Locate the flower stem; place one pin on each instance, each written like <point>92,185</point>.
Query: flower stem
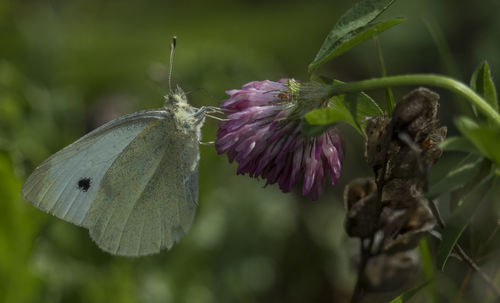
<point>420,79</point>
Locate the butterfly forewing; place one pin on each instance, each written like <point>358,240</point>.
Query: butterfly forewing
<point>65,184</point>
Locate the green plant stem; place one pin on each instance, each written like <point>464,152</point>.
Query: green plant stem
<point>419,79</point>
<point>389,96</point>
<point>365,251</point>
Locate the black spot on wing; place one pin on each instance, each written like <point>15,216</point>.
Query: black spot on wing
<point>84,184</point>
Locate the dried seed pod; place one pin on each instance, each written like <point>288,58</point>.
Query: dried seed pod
<point>401,192</point>
<point>377,140</point>
<point>357,190</point>
<point>390,272</point>
<point>360,200</point>
<point>431,152</point>
<point>403,163</point>
<point>392,222</point>
<point>416,113</point>
<point>402,148</point>
<point>418,221</point>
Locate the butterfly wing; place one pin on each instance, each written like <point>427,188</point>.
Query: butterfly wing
<point>65,184</point>
<point>147,199</point>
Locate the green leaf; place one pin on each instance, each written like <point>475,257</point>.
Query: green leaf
<point>448,162</point>
<point>460,218</point>
<point>360,105</point>
<point>460,144</point>
<point>350,40</point>
<point>446,55</point>
<point>482,84</point>
<point>319,120</point>
<point>425,255</point>
<point>351,108</point>
<point>456,177</point>
<point>313,130</point>
<point>354,22</point>
<point>485,138</point>
<point>407,295</point>
<point>427,265</point>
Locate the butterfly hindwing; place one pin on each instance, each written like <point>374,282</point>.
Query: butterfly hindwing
<point>147,199</point>
<point>65,184</point>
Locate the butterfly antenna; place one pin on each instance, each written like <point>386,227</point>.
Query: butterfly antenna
<point>172,51</point>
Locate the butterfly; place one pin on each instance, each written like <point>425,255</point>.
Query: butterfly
<point>133,182</point>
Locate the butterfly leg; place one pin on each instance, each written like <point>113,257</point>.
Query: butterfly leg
<point>209,109</point>
<point>206,143</point>
<point>206,111</point>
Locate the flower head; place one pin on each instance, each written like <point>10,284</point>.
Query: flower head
<point>264,136</point>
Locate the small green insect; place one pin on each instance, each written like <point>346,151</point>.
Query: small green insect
<point>132,182</point>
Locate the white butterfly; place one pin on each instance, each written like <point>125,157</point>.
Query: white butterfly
<point>132,182</point>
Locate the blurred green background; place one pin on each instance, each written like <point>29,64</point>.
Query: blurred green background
<point>68,66</point>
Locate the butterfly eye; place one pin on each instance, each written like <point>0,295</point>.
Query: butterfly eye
<point>84,184</point>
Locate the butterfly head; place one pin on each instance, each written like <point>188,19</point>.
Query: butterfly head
<point>175,97</point>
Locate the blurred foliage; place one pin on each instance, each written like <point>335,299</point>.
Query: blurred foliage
<point>68,66</point>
